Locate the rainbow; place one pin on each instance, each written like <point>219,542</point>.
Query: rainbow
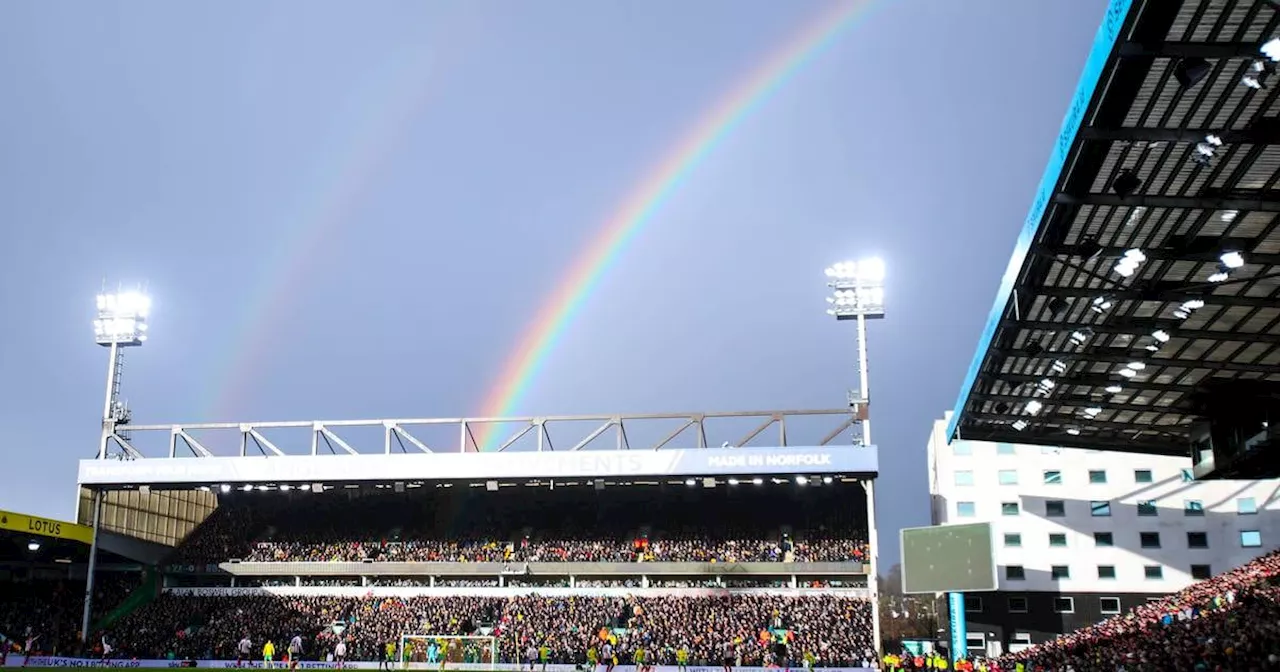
<point>527,360</point>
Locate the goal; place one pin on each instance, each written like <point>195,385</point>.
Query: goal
<point>448,649</point>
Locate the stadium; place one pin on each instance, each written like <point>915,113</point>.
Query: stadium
<point>1138,316</point>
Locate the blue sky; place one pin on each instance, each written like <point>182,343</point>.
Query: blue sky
<point>353,211</point>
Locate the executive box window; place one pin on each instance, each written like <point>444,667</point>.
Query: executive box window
<point>1142,476</point>
<point>1149,539</point>
<point>1147,508</point>
<point>1109,605</point>
<point>1097,476</point>
<point>1100,509</point>
<point>1103,539</point>
<point>1059,572</point>
<point>1197,540</point>
<point>1064,605</point>
<point>1153,572</point>
<point>1193,507</point>
<point>1052,477</point>
<point>965,509</point>
<point>1188,476</point>
<point>1008,508</point>
<point>1015,573</point>
<point>1017,605</point>
<point>1246,506</point>
<point>1005,449</point>
<point>1008,476</point>
<point>1057,539</point>
<point>1201,571</point>
<point>962,448</point>
<point>972,604</point>
<point>964,478</point>
<point>1250,538</point>
<point>1012,540</point>
<point>1106,571</point>
<point>1055,508</point>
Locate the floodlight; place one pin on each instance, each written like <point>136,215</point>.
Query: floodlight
<point>1033,407</point>
<point>1019,425</point>
<point>122,318</point>
<point>801,480</point>
<point>1271,49</point>
<point>1114,389</point>
<point>225,488</point>
<point>858,289</point>
<point>757,481</point>
<point>826,479</point>
<point>33,546</point>
<point>1232,259</point>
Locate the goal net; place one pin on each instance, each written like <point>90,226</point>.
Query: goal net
<point>436,649</point>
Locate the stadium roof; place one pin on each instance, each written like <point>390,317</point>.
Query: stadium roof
<point>1169,149</point>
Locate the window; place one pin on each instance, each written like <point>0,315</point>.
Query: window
<point>1022,638</point>
<point>1064,605</point>
<point>1009,508</point>
<point>1250,538</point>
<point>1147,508</point>
<point>1014,573</point>
<point>1109,605</point>
<point>1008,476</point>
<point>1059,572</point>
<point>1103,539</point>
<point>1017,605</point>
<point>1097,476</point>
<point>1149,539</point>
<point>1246,506</point>
<point>1142,476</point>
<point>1053,477</point>
<point>1197,540</point>
<point>1005,449</point>
<point>965,509</point>
<point>1106,571</point>
<point>1193,507</point>
<point>972,604</point>
<point>1055,508</point>
<point>1153,572</point>
<point>1100,509</point>
<point>964,478</point>
<point>962,448</point>
<point>1012,540</point>
<point>1188,476</point>
<point>1057,539</point>
<point>1201,571</point>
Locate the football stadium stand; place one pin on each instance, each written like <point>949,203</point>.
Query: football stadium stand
<point>1139,311</point>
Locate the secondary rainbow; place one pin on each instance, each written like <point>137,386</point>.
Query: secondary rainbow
<point>526,361</point>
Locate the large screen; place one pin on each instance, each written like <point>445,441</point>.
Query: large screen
<point>948,558</point>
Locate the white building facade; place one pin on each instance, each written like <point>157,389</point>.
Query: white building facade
<point>1080,535</point>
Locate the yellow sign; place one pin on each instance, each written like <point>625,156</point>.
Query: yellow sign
<point>44,527</point>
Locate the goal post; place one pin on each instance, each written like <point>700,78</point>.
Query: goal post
<point>430,649</point>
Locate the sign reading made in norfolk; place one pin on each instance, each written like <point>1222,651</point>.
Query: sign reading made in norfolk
<point>948,558</point>
<point>44,527</point>
<point>189,471</point>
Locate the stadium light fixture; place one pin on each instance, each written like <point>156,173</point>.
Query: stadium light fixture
<point>858,294</point>
<point>757,481</point>
<point>33,546</point>
<point>122,319</point>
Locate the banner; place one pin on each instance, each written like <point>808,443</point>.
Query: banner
<point>52,661</point>
<point>195,471</point>
<point>959,627</point>
<point>44,527</point>
<point>495,591</point>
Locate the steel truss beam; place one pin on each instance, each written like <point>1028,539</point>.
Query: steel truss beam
<point>1206,50</point>
<point>320,436</point>
<point>1136,327</point>
<point>1065,420</point>
<point>1177,296</point>
<point>1124,357</point>
<point>1268,134</point>
<point>1256,204</point>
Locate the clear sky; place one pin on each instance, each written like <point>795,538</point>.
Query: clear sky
<point>353,210</point>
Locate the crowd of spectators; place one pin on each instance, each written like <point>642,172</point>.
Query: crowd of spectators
<point>823,524</point>
<point>49,612</point>
<point>1229,622</point>
<point>834,628</point>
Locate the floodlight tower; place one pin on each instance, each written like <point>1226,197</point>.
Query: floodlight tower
<point>858,294</point>
<point>121,323</point>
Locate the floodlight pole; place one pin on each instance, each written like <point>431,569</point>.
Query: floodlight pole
<point>859,295</point>
<point>115,361</point>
